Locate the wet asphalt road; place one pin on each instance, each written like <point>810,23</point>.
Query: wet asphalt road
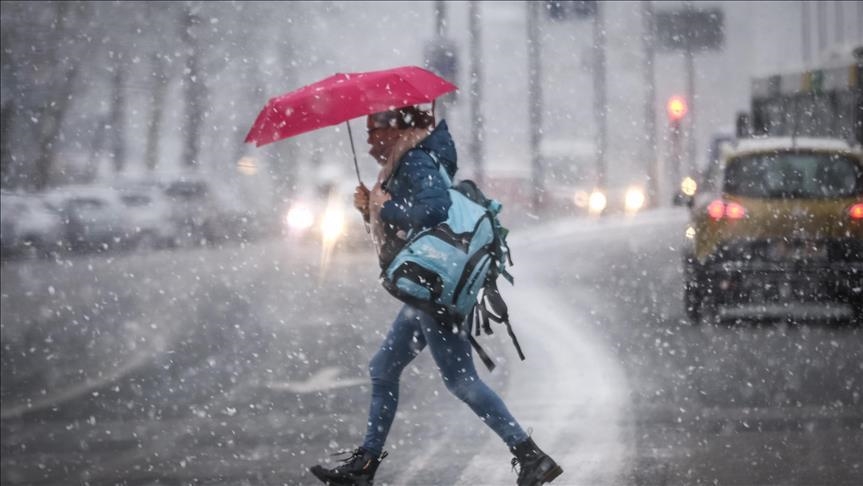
<point>247,364</point>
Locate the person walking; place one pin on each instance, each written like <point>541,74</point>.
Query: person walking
<point>409,195</point>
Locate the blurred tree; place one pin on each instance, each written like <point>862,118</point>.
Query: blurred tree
<point>567,9</point>
<point>46,47</point>
<point>285,171</point>
<point>160,74</point>
<point>58,88</point>
<point>7,110</point>
<point>52,86</point>
<point>194,91</point>
<point>117,120</point>
<point>84,82</point>
<point>159,66</point>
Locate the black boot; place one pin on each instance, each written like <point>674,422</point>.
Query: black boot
<point>357,470</point>
<point>536,466</point>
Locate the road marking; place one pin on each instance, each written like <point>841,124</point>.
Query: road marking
<point>324,379</point>
<point>54,398</point>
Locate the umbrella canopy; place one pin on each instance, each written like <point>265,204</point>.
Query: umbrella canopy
<point>344,96</point>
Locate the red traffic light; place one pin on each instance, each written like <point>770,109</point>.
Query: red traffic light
<point>676,108</point>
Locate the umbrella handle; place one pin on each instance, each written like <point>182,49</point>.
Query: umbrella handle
<point>357,167</point>
<point>354,151</point>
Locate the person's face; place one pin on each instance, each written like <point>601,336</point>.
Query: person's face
<point>381,138</point>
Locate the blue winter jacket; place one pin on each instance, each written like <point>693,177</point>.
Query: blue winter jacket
<point>420,197</point>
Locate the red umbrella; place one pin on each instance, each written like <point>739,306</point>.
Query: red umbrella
<point>342,97</point>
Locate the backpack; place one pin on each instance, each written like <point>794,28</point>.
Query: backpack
<point>450,271</point>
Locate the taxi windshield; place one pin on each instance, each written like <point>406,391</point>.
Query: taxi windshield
<point>794,175</point>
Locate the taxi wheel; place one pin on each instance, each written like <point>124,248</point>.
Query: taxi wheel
<point>709,311</point>
<point>701,308</point>
<point>692,302</point>
<point>693,291</point>
<point>700,302</point>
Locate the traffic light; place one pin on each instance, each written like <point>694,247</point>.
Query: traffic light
<point>676,108</point>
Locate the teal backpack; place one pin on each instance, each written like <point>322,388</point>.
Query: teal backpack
<point>450,271</point>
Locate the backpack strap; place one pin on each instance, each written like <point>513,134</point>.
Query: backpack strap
<point>472,319</point>
<point>493,307</point>
<point>486,360</point>
<point>490,308</point>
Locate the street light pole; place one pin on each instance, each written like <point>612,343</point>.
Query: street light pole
<point>476,121</point>
<point>689,59</point>
<point>805,25</point>
<point>599,97</point>
<point>690,98</point>
<point>840,22</point>
<point>439,39</point>
<point>650,103</point>
<point>821,19</point>
<point>534,99</point>
<point>677,109</point>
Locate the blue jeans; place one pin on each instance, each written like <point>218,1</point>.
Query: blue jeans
<point>410,333</point>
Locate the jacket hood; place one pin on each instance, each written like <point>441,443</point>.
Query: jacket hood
<point>441,143</point>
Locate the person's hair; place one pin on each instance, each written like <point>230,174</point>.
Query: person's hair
<point>402,118</point>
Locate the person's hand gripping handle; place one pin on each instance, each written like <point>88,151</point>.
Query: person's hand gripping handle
<point>361,202</point>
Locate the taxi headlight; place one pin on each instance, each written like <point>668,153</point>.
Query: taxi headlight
<point>634,199</point>
<point>689,233</point>
<point>688,186</point>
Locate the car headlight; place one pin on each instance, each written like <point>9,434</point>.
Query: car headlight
<point>596,202</point>
<point>580,198</point>
<point>299,218</point>
<point>333,224</point>
<point>634,199</point>
<point>689,233</point>
<point>688,186</point>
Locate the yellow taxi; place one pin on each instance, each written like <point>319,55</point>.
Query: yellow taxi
<point>776,231</point>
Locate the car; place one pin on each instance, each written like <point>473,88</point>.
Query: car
<point>29,225</point>
<point>192,213</point>
<point>148,217</point>
<point>204,209</point>
<point>627,199</point>
<point>102,218</point>
<point>94,217</point>
<point>572,185</point>
<point>326,216</point>
<point>776,232</point>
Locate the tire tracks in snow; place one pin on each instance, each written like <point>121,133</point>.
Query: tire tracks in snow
<point>570,391</point>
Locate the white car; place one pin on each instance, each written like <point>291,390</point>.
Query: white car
<point>98,218</point>
<point>621,199</point>
<point>205,210</point>
<point>94,217</point>
<point>149,217</point>
<point>28,226</point>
